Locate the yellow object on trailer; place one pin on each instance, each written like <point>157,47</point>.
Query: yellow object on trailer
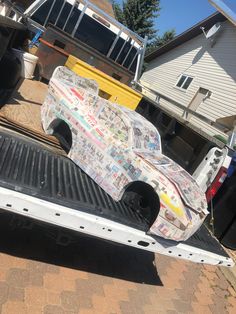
<point>109,88</point>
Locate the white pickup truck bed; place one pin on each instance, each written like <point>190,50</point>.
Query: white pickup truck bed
<point>37,182</point>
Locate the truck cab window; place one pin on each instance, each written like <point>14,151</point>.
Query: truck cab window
<point>95,34</point>
<point>130,57</point>
<point>72,20</point>
<point>55,11</point>
<point>64,14</point>
<point>117,48</point>
<point>40,15</point>
<point>129,60</point>
<point>134,65</point>
<point>124,52</point>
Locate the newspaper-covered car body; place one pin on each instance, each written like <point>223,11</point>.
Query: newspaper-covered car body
<point>116,147</point>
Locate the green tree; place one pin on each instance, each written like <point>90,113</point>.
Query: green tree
<point>165,38</point>
<point>119,15</point>
<point>161,40</point>
<point>138,16</point>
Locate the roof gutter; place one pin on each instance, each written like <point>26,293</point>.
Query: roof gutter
<point>187,35</point>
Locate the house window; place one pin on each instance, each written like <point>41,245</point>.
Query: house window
<point>184,81</point>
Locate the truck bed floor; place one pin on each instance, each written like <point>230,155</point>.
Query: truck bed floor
<point>203,240</point>
<point>30,168</point>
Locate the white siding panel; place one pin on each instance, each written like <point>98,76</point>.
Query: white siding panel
<point>213,68</point>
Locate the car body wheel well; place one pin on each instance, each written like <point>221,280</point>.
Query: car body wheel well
<point>148,200</point>
<point>61,130</point>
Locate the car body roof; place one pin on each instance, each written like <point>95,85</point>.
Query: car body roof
<point>135,120</point>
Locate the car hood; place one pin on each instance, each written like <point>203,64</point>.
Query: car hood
<point>190,192</point>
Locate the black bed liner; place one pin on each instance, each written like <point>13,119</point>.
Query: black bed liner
<point>203,240</point>
<point>35,170</point>
<point>31,168</point>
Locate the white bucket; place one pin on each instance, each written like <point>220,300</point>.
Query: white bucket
<point>28,63</point>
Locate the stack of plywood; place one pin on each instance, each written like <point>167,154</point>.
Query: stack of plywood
<point>23,113</point>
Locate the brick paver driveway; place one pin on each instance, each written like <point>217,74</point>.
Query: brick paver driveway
<point>93,276</point>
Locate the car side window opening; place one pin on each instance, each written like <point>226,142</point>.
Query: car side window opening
<point>146,139</point>
<point>110,119</point>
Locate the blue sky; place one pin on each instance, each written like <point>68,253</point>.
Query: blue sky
<point>182,14</point>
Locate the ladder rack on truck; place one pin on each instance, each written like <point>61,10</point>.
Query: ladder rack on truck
<point>43,185</point>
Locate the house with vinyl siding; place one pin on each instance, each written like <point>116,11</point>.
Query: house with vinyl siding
<point>194,75</point>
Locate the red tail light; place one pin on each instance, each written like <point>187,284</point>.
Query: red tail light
<point>216,184</point>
